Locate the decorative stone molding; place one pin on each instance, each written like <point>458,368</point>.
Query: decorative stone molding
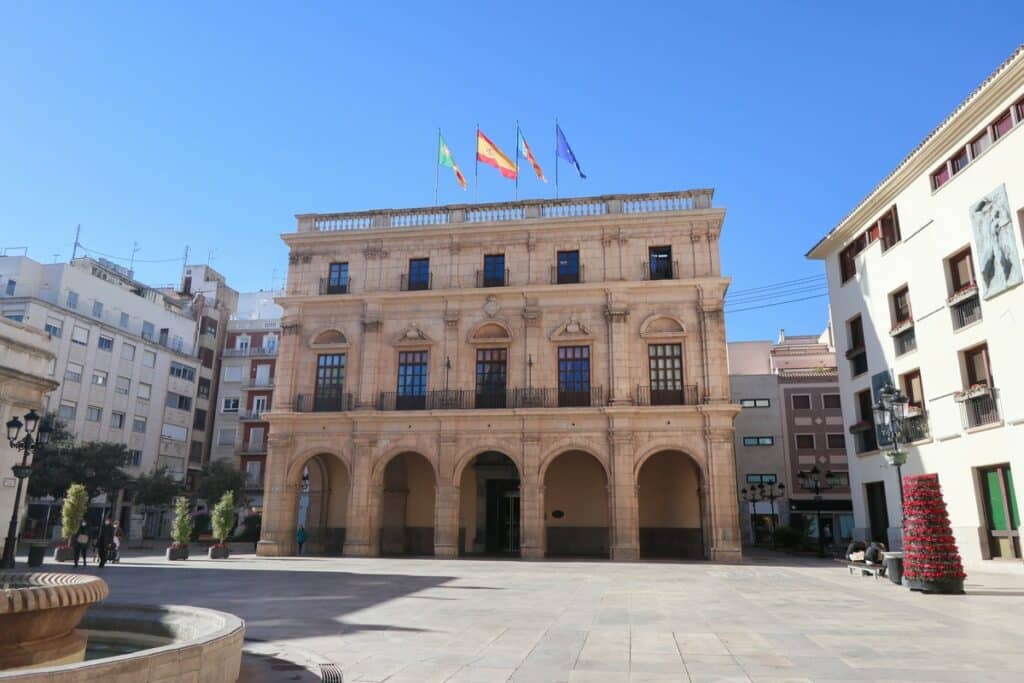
<point>572,329</point>
<point>490,332</point>
<point>375,250</point>
<point>531,313</point>
<point>330,339</point>
<point>662,326</point>
<point>372,325</point>
<point>412,335</point>
<point>491,306</point>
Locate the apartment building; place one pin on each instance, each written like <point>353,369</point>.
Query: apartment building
<point>247,379</point>
<point>536,378</point>
<point>124,355</point>
<point>924,282</point>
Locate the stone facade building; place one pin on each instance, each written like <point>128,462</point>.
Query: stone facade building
<point>533,378</point>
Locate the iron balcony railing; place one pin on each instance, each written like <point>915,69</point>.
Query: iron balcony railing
<point>915,428</point>
<point>486,279</point>
<point>491,399</point>
<point>980,410</point>
<point>323,402</point>
<point>684,395</point>
<point>251,415</point>
<point>327,287</point>
<point>257,382</point>
<point>570,277</point>
<point>416,284</point>
<point>250,352</point>
<point>905,342</point>
<point>966,312</point>
<point>660,269</point>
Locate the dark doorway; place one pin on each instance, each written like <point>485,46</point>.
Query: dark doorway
<point>878,511</point>
<point>502,516</point>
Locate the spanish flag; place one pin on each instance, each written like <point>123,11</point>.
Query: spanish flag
<point>488,152</point>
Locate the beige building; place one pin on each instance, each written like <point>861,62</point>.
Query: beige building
<point>537,378</point>
<point>25,360</point>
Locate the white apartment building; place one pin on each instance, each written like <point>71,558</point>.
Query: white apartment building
<point>247,373</point>
<point>124,355</point>
<point>924,282</point>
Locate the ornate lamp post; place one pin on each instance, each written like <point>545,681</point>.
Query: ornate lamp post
<point>27,445</point>
<point>811,480</point>
<point>890,412</point>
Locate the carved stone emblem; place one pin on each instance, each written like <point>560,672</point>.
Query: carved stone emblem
<point>492,306</point>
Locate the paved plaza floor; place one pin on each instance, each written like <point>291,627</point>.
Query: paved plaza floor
<point>774,618</point>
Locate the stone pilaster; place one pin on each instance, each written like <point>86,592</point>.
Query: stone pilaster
<point>617,313</point>
<point>280,500</point>
<point>446,502</point>
<point>370,349</point>
<point>358,536</point>
<point>715,352</point>
<point>625,508</point>
<point>726,536</point>
<point>531,501</point>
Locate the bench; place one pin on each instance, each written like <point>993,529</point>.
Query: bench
<point>865,569</point>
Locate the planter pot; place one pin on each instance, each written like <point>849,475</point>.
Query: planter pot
<point>218,552</point>
<point>946,586</point>
<point>64,555</point>
<point>896,458</point>
<point>177,553</point>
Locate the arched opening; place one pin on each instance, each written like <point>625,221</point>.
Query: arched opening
<point>670,507</point>
<point>407,506</point>
<point>489,511</point>
<point>323,504</point>
<point>576,506</point>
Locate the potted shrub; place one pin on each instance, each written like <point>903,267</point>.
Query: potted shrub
<point>181,530</point>
<point>896,458</point>
<point>76,501</point>
<point>931,561</point>
<point>223,520</point>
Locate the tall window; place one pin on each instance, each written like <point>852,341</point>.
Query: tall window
<point>866,439</point>
<point>660,263</point>
<point>911,382</point>
<point>856,353</point>
<point>665,371</point>
<point>491,377</point>
<point>494,270</point>
<point>961,270</point>
<point>419,274</point>
<point>72,299</point>
<point>574,375</point>
<point>330,381</point>
<point>977,366</point>
<point>568,267</point>
<point>901,306</point>
<point>337,279</point>
<point>412,380</point>
<point>97,309</point>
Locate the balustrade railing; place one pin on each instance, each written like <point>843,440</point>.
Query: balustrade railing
<point>470,399</point>
<point>491,279</point>
<point>416,284</point>
<point>686,395</point>
<point>328,287</point>
<point>326,402</point>
<point>661,270</point>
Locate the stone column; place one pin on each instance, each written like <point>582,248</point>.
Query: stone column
<point>280,500</point>
<point>617,313</point>
<point>715,351</point>
<point>726,537</point>
<point>446,501</point>
<point>531,501</point>
<point>625,517</point>
<point>358,538</point>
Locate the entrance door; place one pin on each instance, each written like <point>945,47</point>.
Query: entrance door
<point>502,516</point>
<point>878,511</point>
<point>1002,520</point>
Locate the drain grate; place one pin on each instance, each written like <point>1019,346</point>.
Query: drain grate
<point>330,673</point>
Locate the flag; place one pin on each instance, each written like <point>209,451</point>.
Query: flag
<point>563,150</point>
<point>488,152</point>
<point>445,158</point>
<point>525,152</point>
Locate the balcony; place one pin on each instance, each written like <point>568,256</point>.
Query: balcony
<point>979,406</point>
<point>252,415</point>
<point>467,215</point>
<point>568,277</point>
<point>905,341</point>
<point>251,352</point>
<point>470,399</point>
<point>258,383</point>
<point>491,279</point>
<point>253,447</point>
<point>330,402</point>
<point>965,310</point>
<point>686,395</point>
<point>864,438</point>
<point>915,427</point>
<point>660,270</point>
<point>328,287</point>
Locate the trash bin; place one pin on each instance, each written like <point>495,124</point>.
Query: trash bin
<point>36,553</point>
<point>894,567</point>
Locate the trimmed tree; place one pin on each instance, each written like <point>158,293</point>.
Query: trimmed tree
<point>931,560</point>
<point>223,519</point>
<point>76,501</point>
<point>181,530</point>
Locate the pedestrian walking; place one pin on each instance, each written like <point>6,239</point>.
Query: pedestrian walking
<point>115,556</point>
<point>300,537</point>
<point>81,543</point>
<point>104,541</point>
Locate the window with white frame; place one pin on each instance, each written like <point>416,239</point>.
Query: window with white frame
<point>128,351</point>
<point>145,391</point>
<point>73,372</point>
<point>93,414</point>
<point>67,410</point>
<point>116,420</point>
<point>148,359</point>
<point>80,336</point>
<point>54,326</point>
<point>226,437</point>
<point>174,432</point>
<point>139,424</point>
<point>99,378</point>
<point>123,385</point>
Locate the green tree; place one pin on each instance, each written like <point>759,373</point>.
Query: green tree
<point>218,478</point>
<point>224,517</point>
<point>154,490</point>
<point>62,462</point>
<point>181,529</point>
<point>75,504</point>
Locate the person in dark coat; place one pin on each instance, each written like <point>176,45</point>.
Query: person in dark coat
<point>104,541</point>
<point>81,543</point>
<point>300,538</point>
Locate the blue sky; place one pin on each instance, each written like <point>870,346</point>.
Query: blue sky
<point>213,126</point>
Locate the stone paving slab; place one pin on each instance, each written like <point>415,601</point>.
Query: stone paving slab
<point>774,618</point>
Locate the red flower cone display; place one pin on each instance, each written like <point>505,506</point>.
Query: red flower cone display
<point>931,560</point>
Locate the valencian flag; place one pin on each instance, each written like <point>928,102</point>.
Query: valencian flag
<point>445,158</point>
<point>488,152</point>
<point>525,152</point>
<point>562,149</point>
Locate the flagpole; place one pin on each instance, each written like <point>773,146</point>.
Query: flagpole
<point>556,157</point>
<point>476,167</point>
<point>437,164</point>
<point>517,159</point>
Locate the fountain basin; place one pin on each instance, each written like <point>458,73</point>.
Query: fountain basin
<point>39,613</point>
<point>175,643</point>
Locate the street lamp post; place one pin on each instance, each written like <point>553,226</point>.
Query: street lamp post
<point>811,480</point>
<point>890,411</point>
<point>27,445</point>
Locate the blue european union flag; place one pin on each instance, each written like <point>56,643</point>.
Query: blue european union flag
<point>563,150</point>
